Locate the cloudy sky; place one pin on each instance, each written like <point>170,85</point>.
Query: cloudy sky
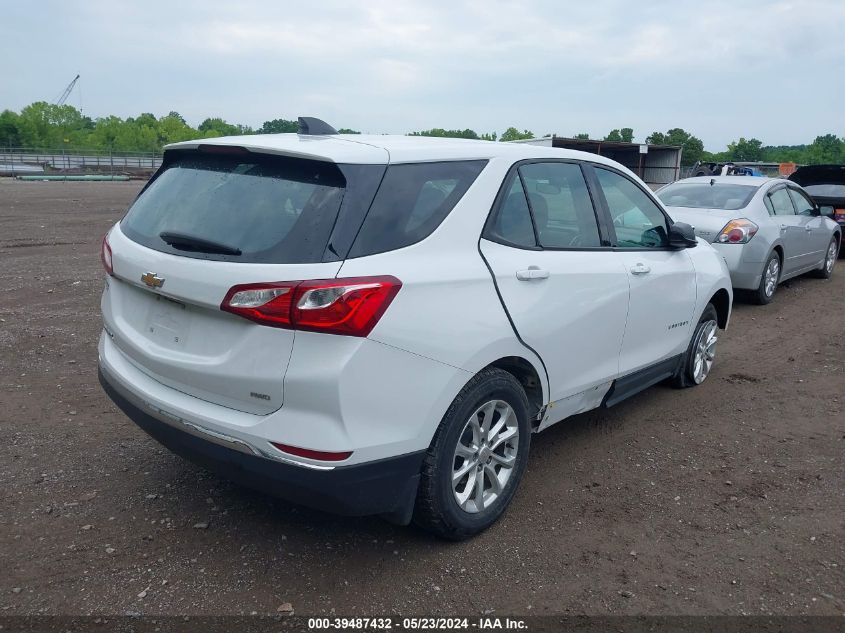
<point>720,69</point>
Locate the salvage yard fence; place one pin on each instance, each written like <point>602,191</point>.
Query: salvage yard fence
<point>25,161</point>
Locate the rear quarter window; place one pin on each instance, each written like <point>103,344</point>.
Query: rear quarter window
<point>411,202</point>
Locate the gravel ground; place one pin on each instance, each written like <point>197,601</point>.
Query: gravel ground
<point>723,499</point>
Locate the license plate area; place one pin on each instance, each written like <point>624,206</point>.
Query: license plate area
<point>168,322</point>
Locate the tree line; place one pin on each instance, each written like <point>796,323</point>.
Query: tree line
<point>44,125</point>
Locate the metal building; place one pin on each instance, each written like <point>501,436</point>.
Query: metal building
<point>657,165</point>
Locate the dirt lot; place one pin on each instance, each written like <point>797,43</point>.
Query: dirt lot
<point>728,498</point>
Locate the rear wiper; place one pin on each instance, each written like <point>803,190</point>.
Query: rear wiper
<point>186,242</point>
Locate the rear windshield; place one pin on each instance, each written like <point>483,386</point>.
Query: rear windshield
<point>257,208</point>
<point>250,208</point>
<point>826,191</point>
<point>697,195</point>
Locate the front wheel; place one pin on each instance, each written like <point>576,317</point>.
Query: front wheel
<point>701,352</point>
<point>826,271</point>
<point>477,458</point>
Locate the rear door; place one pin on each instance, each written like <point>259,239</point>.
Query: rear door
<point>208,222</point>
<point>792,230</point>
<point>564,291</point>
<point>815,230</point>
<point>662,280</point>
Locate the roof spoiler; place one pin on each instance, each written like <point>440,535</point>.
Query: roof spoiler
<point>314,127</point>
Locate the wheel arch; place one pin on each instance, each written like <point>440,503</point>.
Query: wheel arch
<point>528,376</point>
<point>721,300</point>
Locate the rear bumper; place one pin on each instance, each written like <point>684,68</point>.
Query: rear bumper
<point>743,264</point>
<point>385,487</point>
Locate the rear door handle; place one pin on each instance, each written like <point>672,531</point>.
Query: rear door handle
<point>640,269</point>
<point>808,229</point>
<point>532,273</point>
<point>783,227</point>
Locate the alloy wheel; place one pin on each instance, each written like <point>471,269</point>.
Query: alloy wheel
<point>705,351</point>
<point>485,456</point>
<point>832,252</point>
<point>772,273</point>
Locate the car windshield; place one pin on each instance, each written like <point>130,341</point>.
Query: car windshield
<point>703,195</point>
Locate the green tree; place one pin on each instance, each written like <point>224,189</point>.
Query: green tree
<point>785,153</point>
<point>46,125</point>
<point>582,136</point>
<point>824,149</point>
<point>218,127</point>
<point>692,146</point>
<point>107,131</point>
<point>146,118</point>
<point>746,149</point>
<point>489,136</point>
<point>512,134</point>
<point>625,135</point>
<point>173,129</point>
<point>440,132</point>
<point>278,126</point>
<point>10,129</point>
<point>346,130</point>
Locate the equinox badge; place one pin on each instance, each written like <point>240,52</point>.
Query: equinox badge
<point>152,280</point>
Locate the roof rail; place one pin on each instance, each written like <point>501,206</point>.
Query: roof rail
<point>311,126</point>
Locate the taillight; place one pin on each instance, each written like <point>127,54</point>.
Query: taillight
<point>737,232</point>
<point>350,306</point>
<point>105,255</point>
<point>312,454</point>
<point>268,304</point>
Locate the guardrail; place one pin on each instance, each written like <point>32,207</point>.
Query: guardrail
<point>23,160</point>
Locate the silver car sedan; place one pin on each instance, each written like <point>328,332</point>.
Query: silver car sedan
<point>768,230</point>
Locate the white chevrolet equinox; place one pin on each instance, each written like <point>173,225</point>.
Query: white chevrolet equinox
<point>378,324</point>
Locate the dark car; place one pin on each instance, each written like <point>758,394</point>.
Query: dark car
<point>826,185</point>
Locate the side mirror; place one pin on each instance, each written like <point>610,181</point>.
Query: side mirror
<point>682,235</point>
<point>826,210</point>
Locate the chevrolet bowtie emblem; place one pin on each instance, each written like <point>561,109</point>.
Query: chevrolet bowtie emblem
<point>152,280</point>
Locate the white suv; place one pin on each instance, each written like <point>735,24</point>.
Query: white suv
<point>377,324</point>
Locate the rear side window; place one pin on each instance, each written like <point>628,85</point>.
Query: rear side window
<point>561,205</point>
<point>411,202</point>
<point>781,202</point>
<point>246,208</point>
<point>512,223</point>
<point>768,202</point>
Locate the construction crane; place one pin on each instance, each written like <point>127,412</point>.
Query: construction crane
<point>61,100</point>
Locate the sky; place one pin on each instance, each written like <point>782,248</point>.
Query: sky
<point>773,70</point>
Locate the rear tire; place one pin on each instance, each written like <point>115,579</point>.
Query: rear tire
<point>698,359</point>
<point>484,436</point>
<point>826,271</point>
<point>769,280</point>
